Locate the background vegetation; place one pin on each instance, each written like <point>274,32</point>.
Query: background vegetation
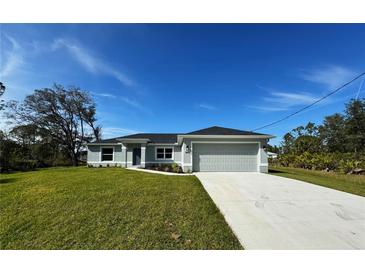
<point>49,128</point>
<point>336,144</point>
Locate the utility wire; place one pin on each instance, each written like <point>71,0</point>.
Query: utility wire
<point>312,104</point>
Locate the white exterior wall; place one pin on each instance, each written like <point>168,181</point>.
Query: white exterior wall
<point>94,155</point>
<point>123,153</point>
<point>151,154</point>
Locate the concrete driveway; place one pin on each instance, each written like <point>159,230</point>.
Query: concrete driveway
<point>271,212</point>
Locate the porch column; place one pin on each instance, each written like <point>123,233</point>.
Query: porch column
<point>124,156</point>
<point>143,155</point>
<point>263,163</point>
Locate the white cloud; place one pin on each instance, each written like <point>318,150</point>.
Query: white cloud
<point>277,101</point>
<point>90,62</point>
<point>109,132</point>
<point>124,99</point>
<point>107,95</point>
<point>131,102</point>
<point>268,108</point>
<point>207,106</point>
<point>359,89</point>
<point>13,58</point>
<point>331,76</point>
<point>289,99</point>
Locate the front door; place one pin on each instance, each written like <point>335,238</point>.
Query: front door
<point>136,156</point>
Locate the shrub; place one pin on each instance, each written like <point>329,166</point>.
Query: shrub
<point>325,161</point>
<point>348,165</point>
<point>344,162</point>
<point>175,168</point>
<point>303,161</point>
<point>166,167</point>
<point>285,160</point>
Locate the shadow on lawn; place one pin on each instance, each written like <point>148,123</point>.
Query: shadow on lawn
<point>275,171</point>
<point>7,181</point>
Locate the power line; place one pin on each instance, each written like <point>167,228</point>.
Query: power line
<point>312,104</point>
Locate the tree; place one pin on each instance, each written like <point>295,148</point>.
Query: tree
<point>10,151</point>
<point>274,148</point>
<point>302,139</point>
<point>287,143</point>
<point>355,125</point>
<point>298,131</point>
<point>339,143</point>
<point>307,139</point>
<point>64,116</point>
<point>332,133</point>
<point>25,134</point>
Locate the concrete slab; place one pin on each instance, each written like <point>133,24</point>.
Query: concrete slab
<point>271,212</point>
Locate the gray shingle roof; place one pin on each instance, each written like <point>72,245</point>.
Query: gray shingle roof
<point>154,137</point>
<point>109,141</point>
<point>170,138</point>
<point>222,131</point>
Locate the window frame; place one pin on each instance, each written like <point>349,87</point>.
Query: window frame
<point>164,153</point>
<point>101,154</point>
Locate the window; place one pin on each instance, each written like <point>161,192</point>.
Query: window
<point>164,153</point>
<point>107,154</point>
<point>160,153</point>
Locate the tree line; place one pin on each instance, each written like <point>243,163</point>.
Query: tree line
<point>49,127</point>
<point>336,144</point>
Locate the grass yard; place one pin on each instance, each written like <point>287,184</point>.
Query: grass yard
<point>354,184</point>
<point>108,208</point>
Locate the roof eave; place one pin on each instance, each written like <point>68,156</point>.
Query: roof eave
<point>261,136</point>
<point>134,140</point>
<point>264,136</point>
<point>121,141</point>
<point>104,144</point>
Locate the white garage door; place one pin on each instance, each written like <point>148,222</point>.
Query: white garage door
<point>225,157</point>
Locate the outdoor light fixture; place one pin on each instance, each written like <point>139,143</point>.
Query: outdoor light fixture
<point>187,149</point>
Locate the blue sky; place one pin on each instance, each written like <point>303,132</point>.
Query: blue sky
<point>183,77</point>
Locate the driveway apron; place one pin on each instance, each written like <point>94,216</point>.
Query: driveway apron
<point>271,212</point>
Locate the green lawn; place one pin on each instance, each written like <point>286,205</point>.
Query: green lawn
<point>108,208</point>
<point>354,184</point>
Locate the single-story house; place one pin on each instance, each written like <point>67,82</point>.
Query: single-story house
<point>210,149</point>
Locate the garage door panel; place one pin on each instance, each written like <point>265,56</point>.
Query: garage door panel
<point>225,157</point>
